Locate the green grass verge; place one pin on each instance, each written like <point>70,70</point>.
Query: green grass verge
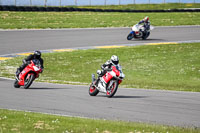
<point>146,6</point>
<point>43,20</point>
<point>26,122</point>
<point>167,67</point>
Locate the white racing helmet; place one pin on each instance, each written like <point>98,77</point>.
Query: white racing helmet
<point>114,59</point>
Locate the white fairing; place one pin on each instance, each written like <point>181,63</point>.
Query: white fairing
<point>102,86</point>
<point>122,75</point>
<point>36,68</point>
<point>113,74</point>
<point>151,27</point>
<point>137,27</point>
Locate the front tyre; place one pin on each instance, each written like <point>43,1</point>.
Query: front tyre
<point>93,90</point>
<point>28,80</point>
<point>16,85</point>
<point>112,89</point>
<point>130,36</point>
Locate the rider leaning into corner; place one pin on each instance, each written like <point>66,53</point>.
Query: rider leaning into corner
<point>146,24</point>
<point>26,61</point>
<point>114,60</point>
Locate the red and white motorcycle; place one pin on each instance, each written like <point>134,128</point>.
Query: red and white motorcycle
<point>113,78</point>
<point>29,74</point>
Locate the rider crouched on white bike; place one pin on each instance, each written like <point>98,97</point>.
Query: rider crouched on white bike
<point>114,60</point>
<point>26,61</point>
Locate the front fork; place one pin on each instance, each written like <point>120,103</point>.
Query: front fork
<point>110,84</point>
<point>94,80</point>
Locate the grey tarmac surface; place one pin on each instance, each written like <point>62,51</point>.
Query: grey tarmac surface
<point>138,105</point>
<point>29,40</point>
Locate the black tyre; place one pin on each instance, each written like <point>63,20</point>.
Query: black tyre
<point>112,89</point>
<point>144,37</point>
<point>28,80</point>
<point>130,36</point>
<point>93,90</point>
<point>16,85</point>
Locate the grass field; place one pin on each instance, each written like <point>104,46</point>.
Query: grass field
<point>26,122</point>
<point>167,67</point>
<point>146,6</point>
<point>43,20</point>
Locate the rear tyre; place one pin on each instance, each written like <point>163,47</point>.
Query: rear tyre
<point>16,85</point>
<point>130,36</point>
<point>146,36</point>
<point>28,80</point>
<point>113,89</point>
<point>93,90</point>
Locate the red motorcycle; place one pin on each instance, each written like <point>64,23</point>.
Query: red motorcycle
<point>113,78</point>
<point>29,74</point>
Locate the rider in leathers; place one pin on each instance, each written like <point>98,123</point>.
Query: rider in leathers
<point>146,25</point>
<point>26,61</point>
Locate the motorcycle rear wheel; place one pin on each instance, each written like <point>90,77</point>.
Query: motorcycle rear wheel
<point>28,82</point>
<point>146,36</point>
<point>93,90</point>
<point>113,89</point>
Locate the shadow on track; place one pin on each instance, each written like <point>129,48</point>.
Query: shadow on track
<point>44,88</point>
<point>129,96</point>
<point>151,39</point>
<point>121,96</point>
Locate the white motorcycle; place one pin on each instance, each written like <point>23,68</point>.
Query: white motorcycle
<point>139,32</point>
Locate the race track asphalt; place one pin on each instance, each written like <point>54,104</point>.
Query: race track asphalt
<point>129,104</point>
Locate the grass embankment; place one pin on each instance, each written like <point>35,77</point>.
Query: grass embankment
<point>26,122</point>
<point>146,6</point>
<point>168,67</point>
<point>43,20</point>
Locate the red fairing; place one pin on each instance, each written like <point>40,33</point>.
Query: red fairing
<point>114,69</point>
<point>23,74</point>
<point>26,70</point>
<point>108,76</point>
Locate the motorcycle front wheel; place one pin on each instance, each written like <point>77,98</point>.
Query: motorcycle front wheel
<point>112,89</point>
<point>130,36</point>
<point>16,85</point>
<point>93,90</point>
<point>28,80</point>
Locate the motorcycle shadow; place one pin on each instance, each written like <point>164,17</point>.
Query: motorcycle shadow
<point>44,88</point>
<point>150,39</point>
<point>122,96</point>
